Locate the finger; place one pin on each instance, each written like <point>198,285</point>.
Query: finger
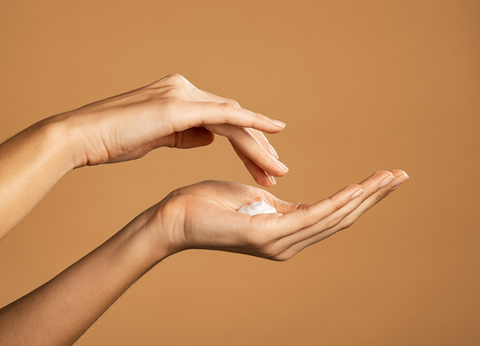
<point>243,140</point>
<point>370,186</point>
<point>246,147</point>
<point>214,113</point>
<point>217,98</point>
<point>367,200</point>
<point>252,167</point>
<point>309,215</point>
<point>208,109</point>
<point>399,177</point>
<point>205,95</point>
<point>258,174</point>
<point>264,142</point>
<point>192,138</point>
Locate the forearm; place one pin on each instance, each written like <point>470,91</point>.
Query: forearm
<point>31,162</point>
<point>61,310</point>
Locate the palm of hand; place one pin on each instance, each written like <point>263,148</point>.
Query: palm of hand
<point>204,216</point>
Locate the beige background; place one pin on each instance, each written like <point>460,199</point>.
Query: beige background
<point>362,85</point>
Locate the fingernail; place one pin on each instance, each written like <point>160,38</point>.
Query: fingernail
<point>399,180</point>
<point>273,151</point>
<point>272,179</point>
<point>356,194</point>
<point>387,180</point>
<point>282,166</point>
<point>278,123</point>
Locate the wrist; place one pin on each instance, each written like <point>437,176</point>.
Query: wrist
<point>158,231</point>
<point>66,136</point>
<point>147,239</point>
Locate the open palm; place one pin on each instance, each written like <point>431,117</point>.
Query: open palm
<point>204,216</point>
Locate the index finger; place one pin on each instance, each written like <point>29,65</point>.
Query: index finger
<point>212,113</point>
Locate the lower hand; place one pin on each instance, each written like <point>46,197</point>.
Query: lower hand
<point>204,216</point>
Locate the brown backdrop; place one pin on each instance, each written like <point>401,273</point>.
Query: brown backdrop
<point>362,85</point>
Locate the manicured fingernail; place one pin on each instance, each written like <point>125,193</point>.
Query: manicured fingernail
<point>273,151</point>
<point>278,123</point>
<point>356,194</point>
<point>272,179</point>
<point>387,180</point>
<point>399,180</point>
<point>282,166</point>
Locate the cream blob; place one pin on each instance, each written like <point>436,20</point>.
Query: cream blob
<point>257,208</point>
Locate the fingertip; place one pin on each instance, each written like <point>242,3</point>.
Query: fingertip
<point>358,192</point>
<point>272,180</point>
<point>398,173</point>
<point>279,123</point>
<point>350,192</point>
<point>259,175</point>
<point>272,151</point>
<point>266,180</point>
<point>400,178</point>
<point>282,168</point>
<point>387,180</point>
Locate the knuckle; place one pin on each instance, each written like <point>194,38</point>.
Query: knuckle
<point>227,109</point>
<point>333,222</point>
<point>230,132</point>
<point>176,91</point>
<point>259,117</point>
<point>282,257</point>
<point>227,106</point>
<point>308,219</point>
<point>335,204</point>
<point>176,79</point>
<point>299,205</point>
<point>233,103</point>
<point>348,222</point>
<point>380,195</point>
<point>268,251</point>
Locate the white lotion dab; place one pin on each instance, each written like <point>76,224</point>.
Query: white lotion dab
<point>257,208</point>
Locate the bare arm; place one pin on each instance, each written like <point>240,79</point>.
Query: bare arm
<point>170,112</point>
<point>30,164</point>
<point>61,310</point>
<point>200,216</point>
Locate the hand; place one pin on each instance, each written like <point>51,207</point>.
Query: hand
<point>204,216</point>
<point>172,112</point>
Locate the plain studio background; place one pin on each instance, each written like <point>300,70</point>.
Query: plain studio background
<point>362,86</point>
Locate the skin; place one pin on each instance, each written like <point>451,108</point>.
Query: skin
<point>200,216</point>
<point>170,112</point>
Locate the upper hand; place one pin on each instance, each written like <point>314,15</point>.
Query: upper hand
<point>204,216</point>
<point>172,112</point>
